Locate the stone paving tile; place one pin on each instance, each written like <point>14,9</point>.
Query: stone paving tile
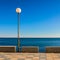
<point>35,58</point>
<point>28,59</point>
<point>29,56</point>
<point>42,56</point>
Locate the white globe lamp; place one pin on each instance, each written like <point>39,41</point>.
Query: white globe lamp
<point>18,10</point>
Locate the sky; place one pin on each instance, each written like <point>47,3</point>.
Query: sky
<point>39,18</point>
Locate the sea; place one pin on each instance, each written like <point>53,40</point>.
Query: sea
<point>41,43</point>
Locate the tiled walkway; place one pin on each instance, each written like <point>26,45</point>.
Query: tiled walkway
<point>29,56</point>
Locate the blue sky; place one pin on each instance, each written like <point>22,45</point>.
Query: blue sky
<point>39,18</point>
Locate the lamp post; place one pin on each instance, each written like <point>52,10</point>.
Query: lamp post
<point>18,11</point>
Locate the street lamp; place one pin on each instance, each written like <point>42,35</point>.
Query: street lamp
<point>18,11</point>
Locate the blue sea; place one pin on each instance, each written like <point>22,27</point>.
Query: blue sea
<point>40,42</point>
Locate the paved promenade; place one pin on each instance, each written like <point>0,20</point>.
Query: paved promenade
<point>29,56</point>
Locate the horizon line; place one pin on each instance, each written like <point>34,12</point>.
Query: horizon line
<point>30,37</point>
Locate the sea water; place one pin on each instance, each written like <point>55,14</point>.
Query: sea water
<point>42,43</point>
